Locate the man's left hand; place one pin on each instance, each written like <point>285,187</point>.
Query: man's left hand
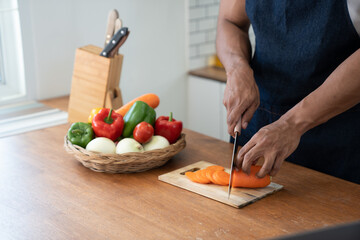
<point>275,142</point>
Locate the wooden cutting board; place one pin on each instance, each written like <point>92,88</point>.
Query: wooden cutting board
<point>239,197</point>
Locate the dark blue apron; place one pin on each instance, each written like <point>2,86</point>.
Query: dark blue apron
<point>298,44</point>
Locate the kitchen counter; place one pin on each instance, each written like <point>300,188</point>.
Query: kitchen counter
<point>212,73</point>
<point>47,194</point>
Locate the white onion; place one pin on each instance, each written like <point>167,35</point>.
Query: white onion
<point>128,145</point>
<point>156,142</point>
<point>102,145</point>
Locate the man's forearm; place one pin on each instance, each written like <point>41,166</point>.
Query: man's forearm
<point>233,45</point>
<point>338,93</point>
<point>232,40</point>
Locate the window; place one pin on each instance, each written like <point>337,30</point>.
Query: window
<point>12,77</point>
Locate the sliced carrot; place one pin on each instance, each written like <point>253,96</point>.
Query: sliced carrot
<point>215,180</point>
<point>221,177</point>
<point>216,168</point>
<point>241,179</point>
<point>201,176</point>
<point>216,174</point>
<point>209,173</point>
<point>202,173</point>
<point>191,176</point>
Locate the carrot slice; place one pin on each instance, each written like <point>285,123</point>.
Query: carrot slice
<point>201,176</point>
<point>215,180</point>
<point>221,177</point>
<point>241,179</point>
<point>202,173</point>
<point>216,168</point>
<point>209,173</point>
<point>191,176</point>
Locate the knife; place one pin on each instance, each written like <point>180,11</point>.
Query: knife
<point>113,15</point>
<point>237,133</point>
<point>115,43</point>
<point>118,25</point>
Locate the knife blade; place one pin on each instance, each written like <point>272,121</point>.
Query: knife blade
<point>237,133</point>
<point>115,43</point>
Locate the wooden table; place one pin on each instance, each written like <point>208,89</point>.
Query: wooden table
<point>46,194</point>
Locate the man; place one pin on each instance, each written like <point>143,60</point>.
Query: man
<point>298,97</point>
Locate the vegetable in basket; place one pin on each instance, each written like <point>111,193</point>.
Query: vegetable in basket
<point>93,113</point>
<point>108,124</point>
<point>101,145</point>
<point>127,145</point>
<point>150,98</point>
<point>139,112</point>
<point>143,132</point>
<point>168,127</point>
<point>156,142</point>
<point>80,134</point>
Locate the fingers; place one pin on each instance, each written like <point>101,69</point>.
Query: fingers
<point>250,154</point>
<point>274,142</point>
<point>232,120</point>
<point>249,159</point>
<point>267,166</point>
<point>277,164</point>
<point>241,114</point>
<point>242,152</point>
<point>241,93</point>
<point>238,126</point>
<point>248,114</point>
<point>239,110</point>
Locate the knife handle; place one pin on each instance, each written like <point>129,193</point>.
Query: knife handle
<point>115,51</point>
<point>238,126</point>
<point>113,15</point>
<point>116,41</point>
<point>118,26</point>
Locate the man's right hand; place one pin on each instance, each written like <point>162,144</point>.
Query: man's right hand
<point>241,97</point>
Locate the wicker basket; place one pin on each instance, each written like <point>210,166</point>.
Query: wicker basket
<point>126,162</point>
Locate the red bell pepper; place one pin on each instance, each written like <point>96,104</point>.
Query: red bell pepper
<point>108,123</point>
<point>168,127</point>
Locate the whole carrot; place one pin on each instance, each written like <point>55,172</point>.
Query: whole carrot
<point>241,179</point>
<point>150,98</point>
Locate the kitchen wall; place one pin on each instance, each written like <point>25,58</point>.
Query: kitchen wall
<point>202,31</point>
<point>155,54</point>
<point>202,22</point>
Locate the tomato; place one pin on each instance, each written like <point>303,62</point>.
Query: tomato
<point>143,132</point>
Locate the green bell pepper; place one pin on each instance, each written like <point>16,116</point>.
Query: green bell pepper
<point>139,112</point>
<point>80,134</point>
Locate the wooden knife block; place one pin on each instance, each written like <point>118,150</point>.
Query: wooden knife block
<point>95,83</point>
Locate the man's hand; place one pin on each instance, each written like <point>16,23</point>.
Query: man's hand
<point>241,97</point>
<point>275,142</point>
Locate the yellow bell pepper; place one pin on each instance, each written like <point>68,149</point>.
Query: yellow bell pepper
<point>93,113</point>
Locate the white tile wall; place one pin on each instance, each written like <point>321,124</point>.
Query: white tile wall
<point>197,38</point>
<point>202,31</point>
<point>197,12</point>
<point>207,49</point>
